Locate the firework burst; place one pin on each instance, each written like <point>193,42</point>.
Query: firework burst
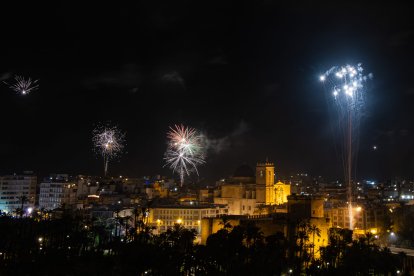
<point>185,151</point>
<point>108,141</point>
<point>23,86</point>
<point>345,84</point>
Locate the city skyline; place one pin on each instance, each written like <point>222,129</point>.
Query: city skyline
<point>245,78</point>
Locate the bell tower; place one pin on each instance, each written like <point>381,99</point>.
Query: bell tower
<point>265,178</point>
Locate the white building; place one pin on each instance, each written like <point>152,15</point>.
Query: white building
<point>17,190</point>
<point>57,191</point>
<point>164,217</point>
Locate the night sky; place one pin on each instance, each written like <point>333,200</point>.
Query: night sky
<point>246,75</point>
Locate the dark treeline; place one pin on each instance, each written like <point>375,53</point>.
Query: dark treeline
<point>75,246</point>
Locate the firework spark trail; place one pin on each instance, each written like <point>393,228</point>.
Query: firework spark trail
<point>108,141</point>
<point>185,151</point>
<point>346,84</point>
<point>23,86</point>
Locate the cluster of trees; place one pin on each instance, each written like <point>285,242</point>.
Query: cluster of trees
<point>73,245</point>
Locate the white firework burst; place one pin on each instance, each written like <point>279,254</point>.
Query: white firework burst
<point>346,86</point>
<point>23,86</point>
<point>108,141</point>
<point>185,151</point>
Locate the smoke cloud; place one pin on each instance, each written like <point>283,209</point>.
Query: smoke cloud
<point>217,145</point>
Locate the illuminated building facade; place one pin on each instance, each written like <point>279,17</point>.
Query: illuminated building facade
<point>57,191</point>
<point>282,191</point>
<point>17,190</point>
<point>164,217</point>
<point>265,180</point>
<point>246,192</point>
<point>366,218</point>
<point>302,209</point>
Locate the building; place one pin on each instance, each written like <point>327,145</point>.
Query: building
<point>164,217</point>
<point>366,218</point>
<point>247,192</point>
<point>17,191</point>
<point>310,210</point>
<point>240,199</point>
<point>269,224</point>
<point>304,212</point>
<point>57,191</point>
<point>282,191</point>
<point>265,180</point>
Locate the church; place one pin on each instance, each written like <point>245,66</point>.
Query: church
<point>251,193</point>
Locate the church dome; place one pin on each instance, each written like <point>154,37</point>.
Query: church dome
<point>244,171</point>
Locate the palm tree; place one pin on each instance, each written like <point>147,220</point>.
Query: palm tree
<point>23,199</point>
<point>253,233</point>
<point>136,213</point>
<point>369,238</point>
<point>225,222</point>
<point>314,230</point>
<point>302,237</point>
